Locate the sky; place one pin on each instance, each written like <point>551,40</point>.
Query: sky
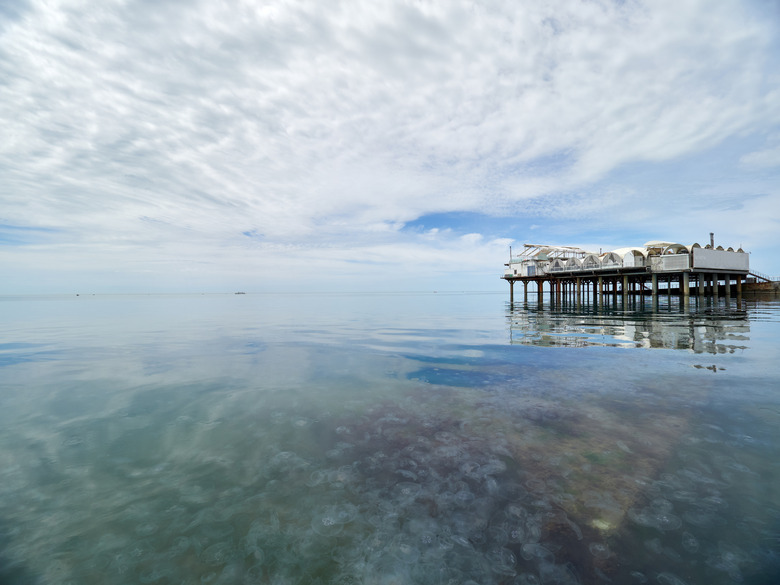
<point>217,146</point>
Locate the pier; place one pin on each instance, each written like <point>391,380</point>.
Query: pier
<point>653,269</point>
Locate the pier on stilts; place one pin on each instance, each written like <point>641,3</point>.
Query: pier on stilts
<point>652,270</point>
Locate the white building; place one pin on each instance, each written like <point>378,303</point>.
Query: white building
<point>539,261</point>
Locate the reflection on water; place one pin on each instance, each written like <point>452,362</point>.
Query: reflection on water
<point>392,439</point>
<point>701,329</point>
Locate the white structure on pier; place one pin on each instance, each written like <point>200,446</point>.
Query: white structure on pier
<point>539,261</point>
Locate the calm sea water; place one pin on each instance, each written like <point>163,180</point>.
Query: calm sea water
<point>388,439</point>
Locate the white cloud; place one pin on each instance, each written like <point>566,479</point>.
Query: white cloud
<point>167,129</point>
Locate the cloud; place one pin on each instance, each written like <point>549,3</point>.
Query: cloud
<point>766,158</point>
<point>176,128</point>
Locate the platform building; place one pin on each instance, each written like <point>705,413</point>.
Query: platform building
<point>654,268</point>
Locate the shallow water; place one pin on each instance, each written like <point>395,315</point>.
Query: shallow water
<point>398,438</point>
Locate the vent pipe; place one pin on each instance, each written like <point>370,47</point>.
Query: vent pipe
<point>712,240</point>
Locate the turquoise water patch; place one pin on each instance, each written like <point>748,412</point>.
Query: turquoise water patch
<point>458,377</point>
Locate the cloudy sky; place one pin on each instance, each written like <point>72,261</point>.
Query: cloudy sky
<point>185,145</point>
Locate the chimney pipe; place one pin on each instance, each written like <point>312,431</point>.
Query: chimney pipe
<point>712,240</point>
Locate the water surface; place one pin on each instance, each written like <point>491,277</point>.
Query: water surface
<point>387,438</point>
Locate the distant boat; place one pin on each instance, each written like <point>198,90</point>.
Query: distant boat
<point>240,293</point>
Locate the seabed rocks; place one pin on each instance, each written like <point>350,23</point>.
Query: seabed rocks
<point>434,484</point>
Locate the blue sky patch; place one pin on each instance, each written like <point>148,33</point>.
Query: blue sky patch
<point>464,222</point>
<point>16,235</point>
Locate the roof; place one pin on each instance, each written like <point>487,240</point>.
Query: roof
<point>623,251</point>
<point>550,252</point>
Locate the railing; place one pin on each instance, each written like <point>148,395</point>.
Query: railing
<point>656,264</point>
<point>763,276</point>
<point>540,271</point>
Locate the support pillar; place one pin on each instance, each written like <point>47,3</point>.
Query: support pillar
<point>511,292</point>
<point>700,278</point>
<point>525,291</point>
<point>686,285</point>
<point>655,286</point>
<point>727,279</point>
<point>739,290</point>
<point>601,289</point>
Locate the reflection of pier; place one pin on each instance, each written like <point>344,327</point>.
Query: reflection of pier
<point>700,330</point>
<point>657,268</point>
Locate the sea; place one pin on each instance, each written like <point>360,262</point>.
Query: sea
<point>437,438</point>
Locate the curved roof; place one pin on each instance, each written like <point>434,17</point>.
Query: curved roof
<point>676,249</point>
<point>623,252</point>
<point>591,259</point>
